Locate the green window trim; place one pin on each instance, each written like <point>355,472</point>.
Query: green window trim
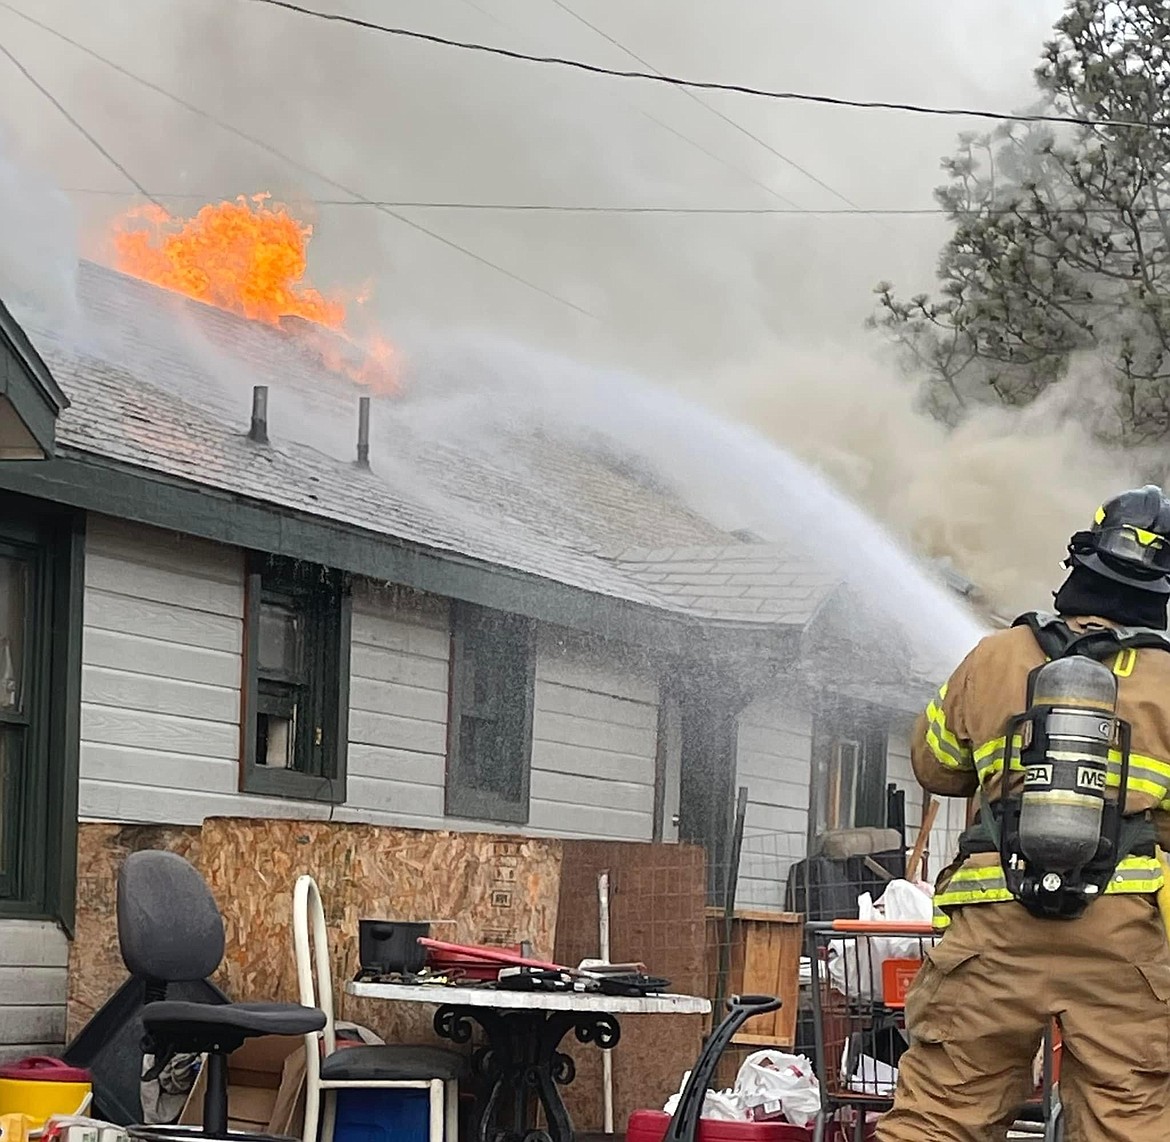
<point>304,699</point>
<point>489,727</point>
<point>44,849</point>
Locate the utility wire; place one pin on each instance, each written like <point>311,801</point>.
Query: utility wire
<point>357,199</point>
<point>714,110</point>
<point>682,211</point>
<point>708,85</point>
<point>88,135</point>
<point>770,191</point>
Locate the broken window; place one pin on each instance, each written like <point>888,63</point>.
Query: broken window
<point>490,733</point>
<point>849,756</point>
<point>298,648</point>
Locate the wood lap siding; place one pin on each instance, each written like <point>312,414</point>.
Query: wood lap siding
<point>161,676</point>
<point>399,672</point>
<point>774,761</point>
<point>594,741</point>
<point>160,718</point>
<point>34,958</point>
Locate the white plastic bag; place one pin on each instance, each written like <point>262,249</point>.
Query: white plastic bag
<point>774,1081</point>
<point>855,965</point>
<point>721,1104</point>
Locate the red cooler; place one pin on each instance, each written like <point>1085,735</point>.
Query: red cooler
<point>650,1126</point>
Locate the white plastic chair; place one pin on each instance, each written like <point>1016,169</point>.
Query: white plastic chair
<point>391,1066</point>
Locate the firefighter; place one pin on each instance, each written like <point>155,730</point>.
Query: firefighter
<point>1028,933</point>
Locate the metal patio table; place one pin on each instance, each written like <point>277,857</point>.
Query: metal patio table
<point>524,1031</point>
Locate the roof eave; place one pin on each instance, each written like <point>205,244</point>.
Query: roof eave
<point>95,483</point>
<point>29,388</point>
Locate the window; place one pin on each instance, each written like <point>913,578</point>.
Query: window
<point>297,697</point>
<point>849,753</point>
<point>840,805</point>
<point>41,554</point>
<point>489,746</point>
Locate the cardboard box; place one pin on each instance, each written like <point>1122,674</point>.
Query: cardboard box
<point>266,1088</point>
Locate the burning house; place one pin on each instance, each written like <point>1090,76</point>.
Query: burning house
<point>207,616</point>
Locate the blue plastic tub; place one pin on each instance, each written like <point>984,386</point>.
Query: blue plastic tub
<point>382,1116</point>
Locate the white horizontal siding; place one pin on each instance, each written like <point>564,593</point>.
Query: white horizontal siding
<point>161,673</point>
<point>161,704</point>
<point>774,761</point>
<point>399,672</point>
<point>595,727</point>
<point>594,740</point>
<point>900,772</point>
<point>34,961</point>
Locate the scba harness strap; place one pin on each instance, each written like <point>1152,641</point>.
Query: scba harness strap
<point>1058,640</point>
<point>998,828</point>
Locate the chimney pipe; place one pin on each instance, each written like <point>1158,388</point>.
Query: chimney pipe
<point>259,430</point>
<point>363,449</point>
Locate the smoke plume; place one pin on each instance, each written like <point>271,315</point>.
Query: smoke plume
<point>757,314</point>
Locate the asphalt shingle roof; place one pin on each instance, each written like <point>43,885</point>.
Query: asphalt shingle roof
<point>164,385</point>
<point>757,582</point>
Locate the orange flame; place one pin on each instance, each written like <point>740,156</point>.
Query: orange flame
<point>249,258</point>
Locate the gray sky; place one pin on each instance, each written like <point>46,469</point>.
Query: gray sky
<point>760,315</point>
<point>678,297</point>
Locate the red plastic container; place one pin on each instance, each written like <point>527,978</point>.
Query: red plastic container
<point>651,1125</point>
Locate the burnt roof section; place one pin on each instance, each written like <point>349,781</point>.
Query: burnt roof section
<point>166,389</point>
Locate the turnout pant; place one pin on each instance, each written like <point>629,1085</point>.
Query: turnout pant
<point>977,1011</point>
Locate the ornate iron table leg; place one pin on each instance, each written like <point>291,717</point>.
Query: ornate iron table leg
<point>522,1064</point>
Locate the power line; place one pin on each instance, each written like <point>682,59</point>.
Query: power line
<point>682,211</point>
<point>771,192</point>
<point>88,135</point>
<point>708,85</point>
<point>359,199</point>
<point>714,110</point>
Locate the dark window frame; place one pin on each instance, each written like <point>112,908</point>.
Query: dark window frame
<point>44,847</point>
<point>323,598</point>
<point>836,724</point>
<point>463,797</point>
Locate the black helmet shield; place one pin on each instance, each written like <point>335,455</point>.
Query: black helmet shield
<point>1129,541</point>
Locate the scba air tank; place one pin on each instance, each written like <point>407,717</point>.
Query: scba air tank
<point>1066,765</point>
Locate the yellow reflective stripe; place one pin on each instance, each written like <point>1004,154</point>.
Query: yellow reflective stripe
<point>989,757</point>
<point>987,884</point>
<point>948,751</point>
<point>1147,775</point>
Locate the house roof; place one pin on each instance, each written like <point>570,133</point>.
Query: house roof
<point>164,384</point>
<point>749,581</point>
<point>160,390</point>
<point>31,397</point>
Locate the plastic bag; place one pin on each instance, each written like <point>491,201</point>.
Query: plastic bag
<point>770,1083</point>
<point>855,965</point>
<point>721,1104</point>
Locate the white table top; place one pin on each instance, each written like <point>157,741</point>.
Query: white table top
<point>502,999</point>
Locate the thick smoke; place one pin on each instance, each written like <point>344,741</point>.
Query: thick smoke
<point>756,314</point>
<point>999,497</point>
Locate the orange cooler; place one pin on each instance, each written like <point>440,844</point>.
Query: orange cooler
<point>41,1087</point>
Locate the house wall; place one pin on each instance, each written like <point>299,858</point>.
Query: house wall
<point>34,958</point>
<point>160,721</point>
<point>774,761</point>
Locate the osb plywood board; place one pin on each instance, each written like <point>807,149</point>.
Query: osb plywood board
<point>657,901</point>
<point>96,970</point>
<point>494,890</point>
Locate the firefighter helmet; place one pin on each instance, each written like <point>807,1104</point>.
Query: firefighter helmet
<point>1129,541</point>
